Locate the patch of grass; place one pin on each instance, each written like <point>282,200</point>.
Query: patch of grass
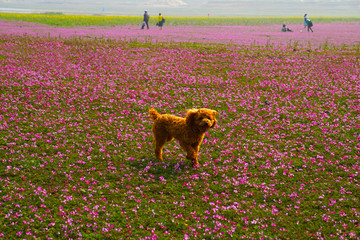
<point>76,154</point>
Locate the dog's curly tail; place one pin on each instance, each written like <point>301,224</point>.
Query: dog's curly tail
<point>154,114</point>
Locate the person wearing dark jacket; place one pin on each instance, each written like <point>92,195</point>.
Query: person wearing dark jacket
<point>285,28</point>
<point>146,20</point>
<point>309,25</point>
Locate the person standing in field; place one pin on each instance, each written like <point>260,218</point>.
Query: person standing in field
<point>309,24</point>
<point>146,20</point>
<point>161,21</point>
<point>305,17</point>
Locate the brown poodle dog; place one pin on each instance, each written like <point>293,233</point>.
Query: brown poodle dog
<point>189,131</point>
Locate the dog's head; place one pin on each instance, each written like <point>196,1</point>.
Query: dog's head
<point>202,119</point>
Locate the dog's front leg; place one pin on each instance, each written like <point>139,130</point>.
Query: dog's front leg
<point>192,152</point>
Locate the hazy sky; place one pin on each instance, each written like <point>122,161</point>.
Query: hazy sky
<point>190,7</point>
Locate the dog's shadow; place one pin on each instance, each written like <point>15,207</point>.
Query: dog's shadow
<point>169,168</point>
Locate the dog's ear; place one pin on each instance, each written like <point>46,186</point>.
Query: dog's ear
<point>190,116</point>
<point>214,124</point>
<point>215,113</point>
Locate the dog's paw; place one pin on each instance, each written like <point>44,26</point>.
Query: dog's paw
<point>196,165</point>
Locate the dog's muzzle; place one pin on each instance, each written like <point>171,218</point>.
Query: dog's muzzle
<point>206,126</point>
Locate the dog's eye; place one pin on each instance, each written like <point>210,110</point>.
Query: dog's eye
<point>201,118</point>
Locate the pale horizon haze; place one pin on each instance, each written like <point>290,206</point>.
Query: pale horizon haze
<point>220,8</point>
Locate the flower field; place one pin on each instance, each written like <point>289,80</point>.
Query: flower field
<point>76,155</point>
<point>325,35</point>
<point>59,19</point>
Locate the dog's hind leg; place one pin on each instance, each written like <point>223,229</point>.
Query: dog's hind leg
<point>159,143</point>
